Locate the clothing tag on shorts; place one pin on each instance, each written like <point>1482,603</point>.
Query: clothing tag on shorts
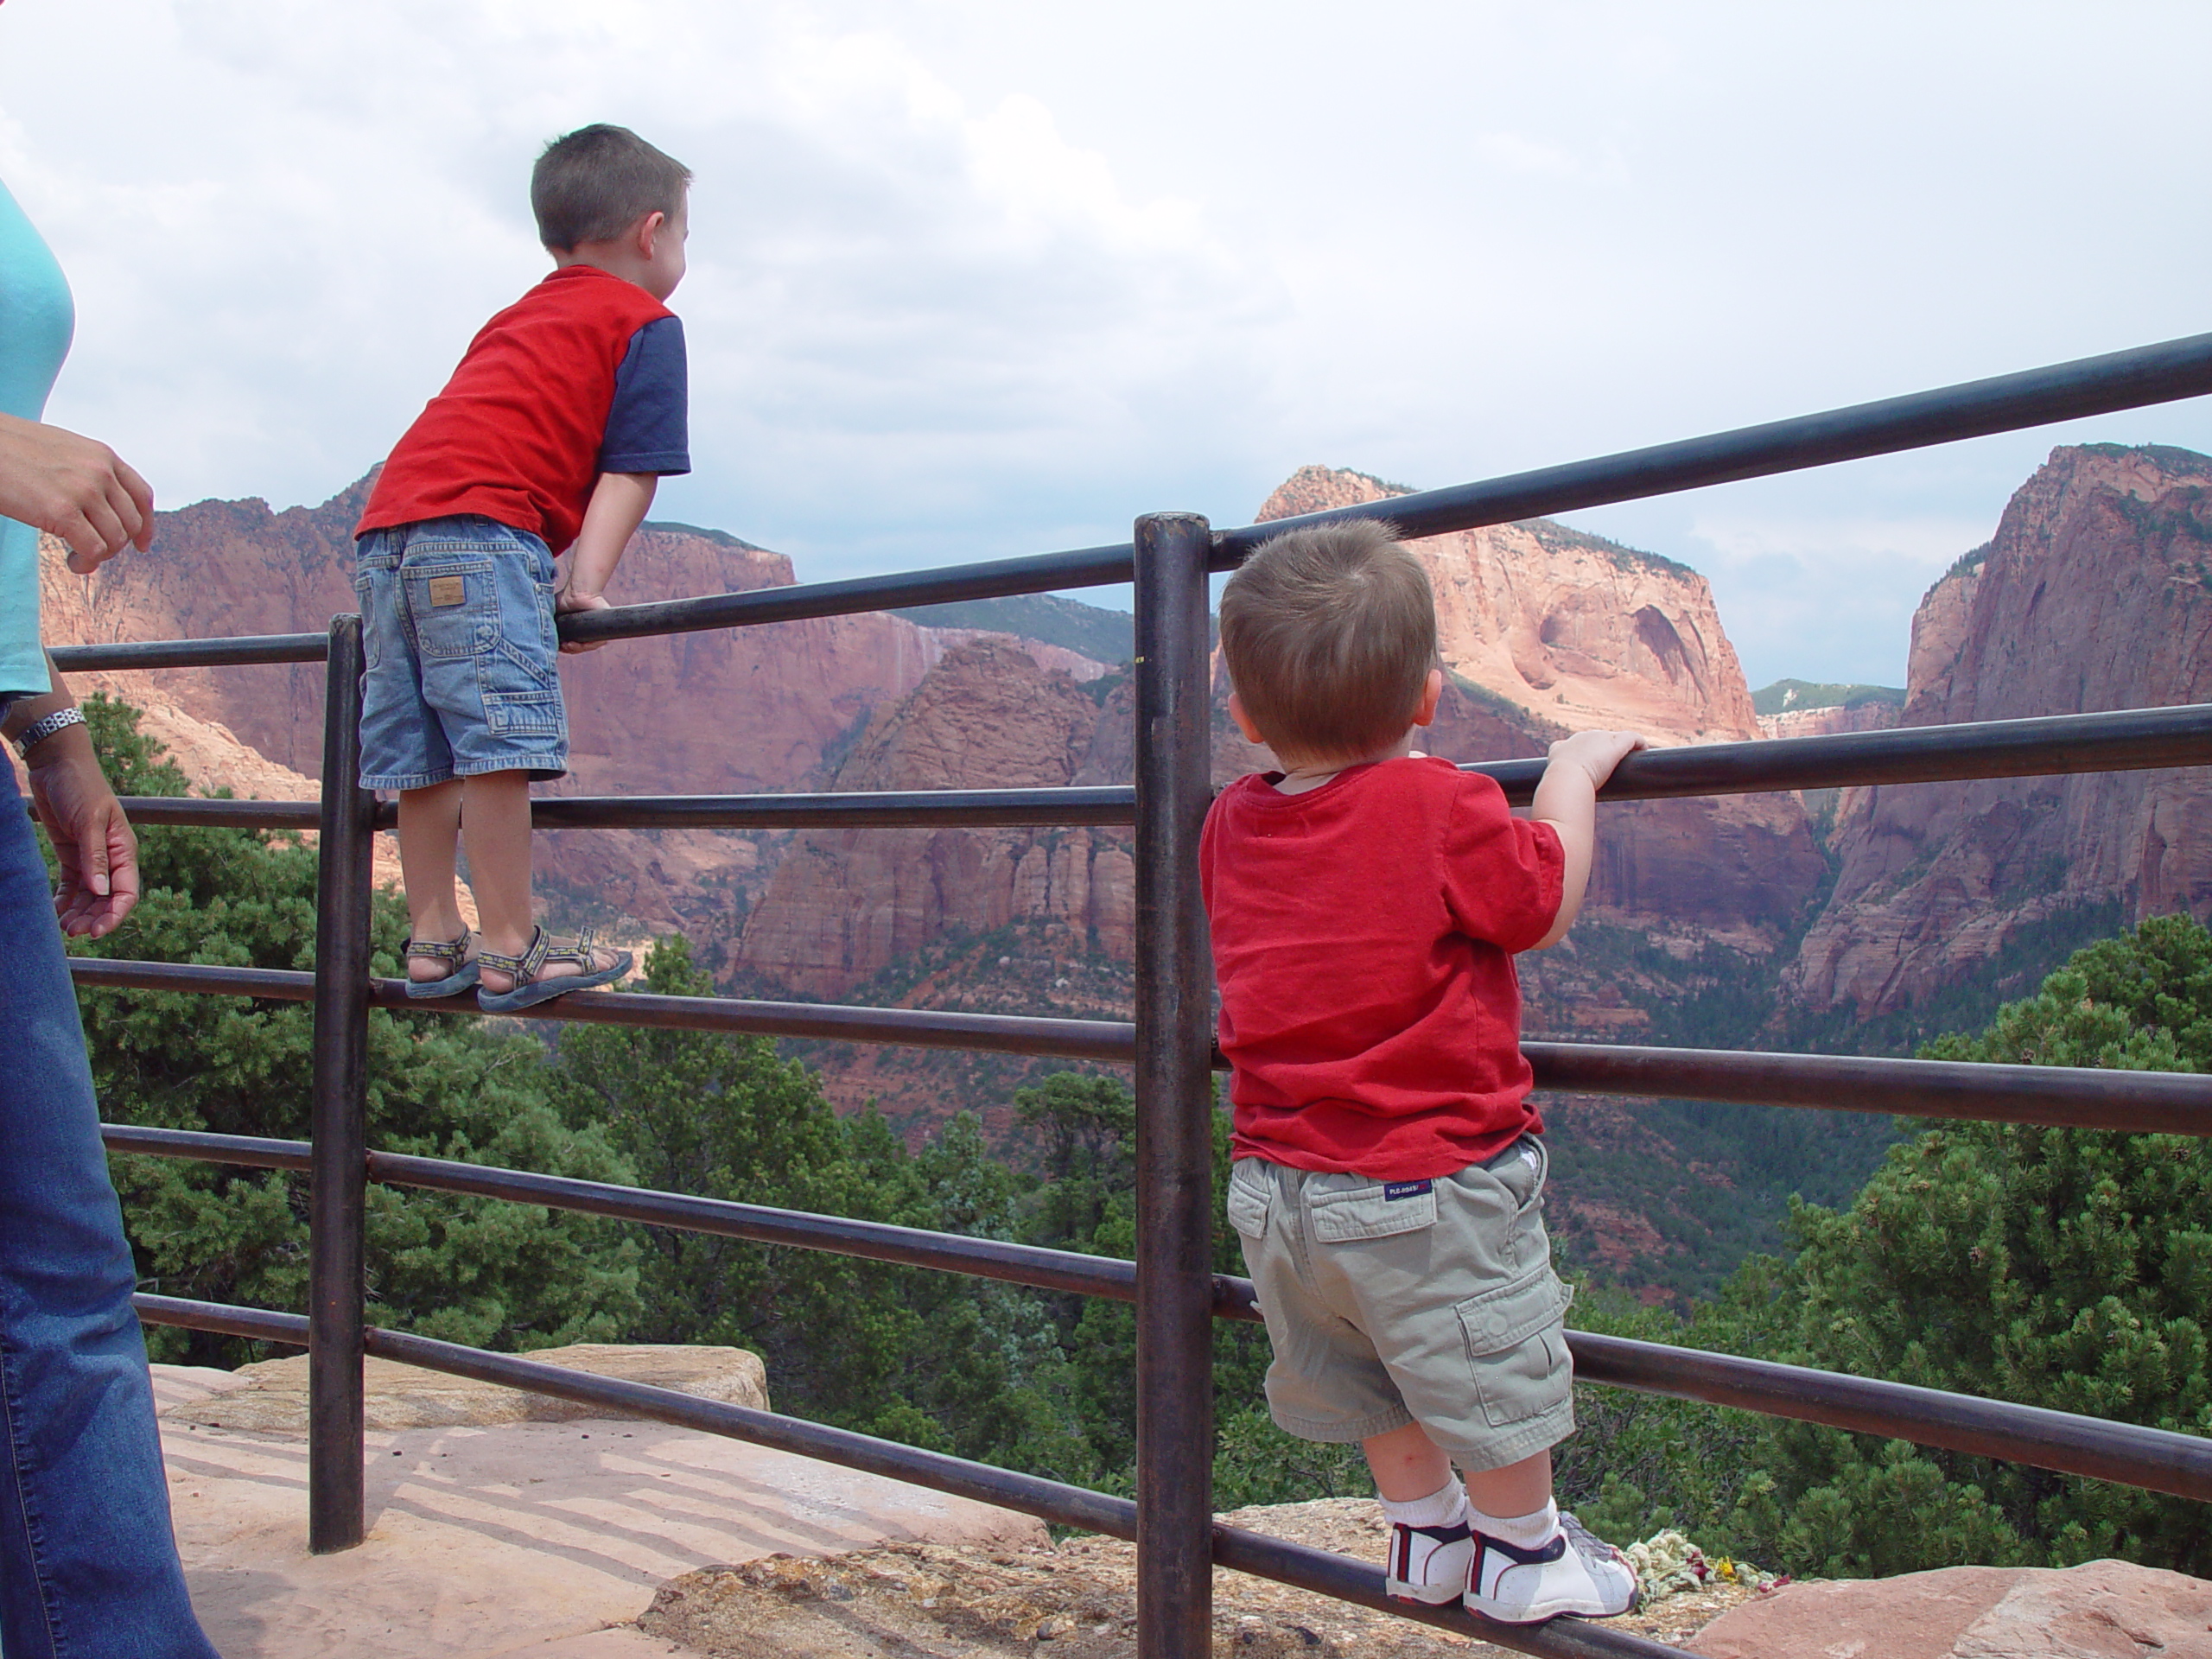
<point>1407,1189</point>
<point>448,590</point>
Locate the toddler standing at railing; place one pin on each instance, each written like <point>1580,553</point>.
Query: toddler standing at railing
<point>563,414</point>
<point>1366,905</point>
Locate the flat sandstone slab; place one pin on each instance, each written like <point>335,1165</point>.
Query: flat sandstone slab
<point>2101,1609</point>
<point>272,1396</point>
<point>509,1538</point>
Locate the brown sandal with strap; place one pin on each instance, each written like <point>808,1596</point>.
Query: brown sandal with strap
<point>455,953</point>
<point>529,986</point>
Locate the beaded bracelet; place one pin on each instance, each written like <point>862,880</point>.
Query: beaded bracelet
<point>38,730</point>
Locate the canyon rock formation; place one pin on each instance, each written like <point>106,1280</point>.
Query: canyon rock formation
<point>845,904</point>
<point>727,712</point>
<point>1834,718</point>
<point>2096,594</point>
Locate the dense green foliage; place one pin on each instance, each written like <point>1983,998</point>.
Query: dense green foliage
<point>466,1269</point>
<point>2058,1268</point>
<point>2065,1268</point>
<point>958,1364</point>
<point>1784,696</point>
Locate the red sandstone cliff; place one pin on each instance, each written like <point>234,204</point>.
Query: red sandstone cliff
<point>844,905</point>
<point>2096,594</point>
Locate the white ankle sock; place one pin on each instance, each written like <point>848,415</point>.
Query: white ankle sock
<point>1441,1508</point>
<point>1531,1531</point>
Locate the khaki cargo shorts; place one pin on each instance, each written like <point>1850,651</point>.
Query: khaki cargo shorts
<point>1391,1302</point>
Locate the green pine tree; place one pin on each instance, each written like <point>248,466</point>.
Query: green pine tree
<point>473,1270</point>
<point>937,1360</point>
<point>2066,1269</point>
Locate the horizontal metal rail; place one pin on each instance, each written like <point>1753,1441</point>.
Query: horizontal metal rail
<point>1105,1041</point>
<point>2092,385</point>
<point>2070,1444</point>
<point>2054,1096</point>
<point>239,650</point>
<point>2156,1460</point>
<point>929,809</point>
<point>1049,1500</point>
<point>2129,741</point>
<point>2163,373</point>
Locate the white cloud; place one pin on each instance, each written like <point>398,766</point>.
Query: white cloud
<point>974,277</point>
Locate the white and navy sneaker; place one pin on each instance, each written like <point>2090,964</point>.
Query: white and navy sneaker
<point>1576,1572</point>
<point>1429,1564</point>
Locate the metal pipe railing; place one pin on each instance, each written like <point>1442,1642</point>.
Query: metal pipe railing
<point>2133,740</point>
<point>1103,1041</point>
<point>2164,372</point>
<point>2067,1442</point>
<point>338,1109</point>
<point>2171,370</point>
<point>1174,1093</point>
<point>2056,1097</point>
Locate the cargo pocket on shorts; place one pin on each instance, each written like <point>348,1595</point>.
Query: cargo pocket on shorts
<point>1516,1346</point>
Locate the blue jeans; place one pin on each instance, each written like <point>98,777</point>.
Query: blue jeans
<point>88,1567</point>
<point>462,674</point>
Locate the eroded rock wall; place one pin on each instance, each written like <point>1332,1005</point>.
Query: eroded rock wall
<point>2094,594</point>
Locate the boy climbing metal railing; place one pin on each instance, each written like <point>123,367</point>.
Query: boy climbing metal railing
<point>1170,1043</point>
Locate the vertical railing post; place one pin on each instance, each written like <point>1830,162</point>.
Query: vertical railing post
<point>1174,1087</point>
<point>338,1109</point>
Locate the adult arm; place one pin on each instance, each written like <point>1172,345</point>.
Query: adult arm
<point>75,488</point>
<point>618,503</point>
<point>1566,799</point>
<point>92,841</point>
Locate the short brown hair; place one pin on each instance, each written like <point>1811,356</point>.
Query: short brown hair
<point>1330,634</point>
<point>595,183</point>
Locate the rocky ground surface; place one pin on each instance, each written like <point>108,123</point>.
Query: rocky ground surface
<point>1073,1600</point>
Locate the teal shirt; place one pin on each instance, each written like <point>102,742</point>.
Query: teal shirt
<point>36,318</point>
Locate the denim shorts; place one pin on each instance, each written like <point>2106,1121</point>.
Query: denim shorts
<point>1430,1301</point>
<point>461,675</point>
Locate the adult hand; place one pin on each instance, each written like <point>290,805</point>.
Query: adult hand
<point>568,599</point>
<point>75,488</point>
<point>92,841</point>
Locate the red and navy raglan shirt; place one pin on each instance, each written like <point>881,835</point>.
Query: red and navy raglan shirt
<point>583,375</point>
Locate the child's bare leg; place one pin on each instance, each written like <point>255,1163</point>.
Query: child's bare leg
<point>430,833</point>
<point>1407,1464</point>
<point>1408,1467</point>
<point>1519,1488</point>
<point>495,823</point>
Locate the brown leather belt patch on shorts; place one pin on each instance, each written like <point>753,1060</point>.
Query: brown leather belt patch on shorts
<point>448,590</point>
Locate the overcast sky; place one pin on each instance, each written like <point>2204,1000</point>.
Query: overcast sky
<point>979,277</point>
